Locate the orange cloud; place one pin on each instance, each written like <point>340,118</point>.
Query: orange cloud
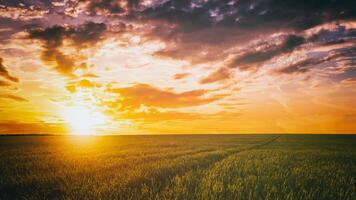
<point>13,97</point>
<point>10,127</point>
<point>5,73</point>
<point>180,76</point>
<point>157,116</point>
<point>219,75</point>
<point>3,83</point>
<point>143,94</point>
<point>84,83</point>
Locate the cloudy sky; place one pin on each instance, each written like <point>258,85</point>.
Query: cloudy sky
<point>177,66</point>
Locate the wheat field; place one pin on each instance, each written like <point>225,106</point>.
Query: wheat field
<point>178,167</point>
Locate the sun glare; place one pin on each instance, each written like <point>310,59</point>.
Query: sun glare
<point>84,121</point>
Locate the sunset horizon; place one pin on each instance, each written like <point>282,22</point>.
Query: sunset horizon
<point>175,67</point>
<point>178,99</point>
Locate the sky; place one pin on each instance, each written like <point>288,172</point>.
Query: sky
<point>177,66</point>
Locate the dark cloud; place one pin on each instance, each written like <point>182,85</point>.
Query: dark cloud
<point>53,37</point>
<point>247,14</point>
<point>255,58</point>
<point>347,54</point>
<point>349,82</point>
<point>348,74</point>
<point>11,27</point>
<point>200,31</point>
<point>87,33</point>
<point>344,57</point>
<point>81,35</point>
<point>338,35</point>
<point>198,46</point>
<point>5,73</point>
<point>298,67</point>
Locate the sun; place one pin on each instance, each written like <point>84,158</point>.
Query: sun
<point>83,120</point>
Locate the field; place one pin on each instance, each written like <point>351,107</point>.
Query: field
<point>178,167</point>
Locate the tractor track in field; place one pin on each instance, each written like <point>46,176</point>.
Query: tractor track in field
<point>207,166</point>
<point>269,141</point>
<point>255,146</point>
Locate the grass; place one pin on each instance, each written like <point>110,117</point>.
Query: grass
<point>178,167</point>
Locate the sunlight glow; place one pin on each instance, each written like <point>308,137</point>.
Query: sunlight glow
<point>84,121</point>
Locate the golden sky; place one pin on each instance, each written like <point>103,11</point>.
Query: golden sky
<point>173,66</point>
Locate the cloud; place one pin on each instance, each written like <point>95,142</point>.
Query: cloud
<point>83,83</point>
<point>180,76</point>
<point>105,7</point>
<point>71,88</point>
<point>111,7</point>
<point>219,75</point>
<point>347,75</point>
<point>14,127</point>
<point>159,116</point>
<point>201,30</point>
<point>197,46</point>
<point>87,33</point>
<point>131,98</point>
<point>255,58</point>
<point>4,83</point>
<point>13,97</point>
<point>344,58</point>
<point>90,75</point>
<point>53,37</point>
<point>5,73</point>
<point>333,35</point>
<point>249,14</point>
<point>334,38</point>
<point>22,13</point>
<point>349,82</point>
<point>298,67</point>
